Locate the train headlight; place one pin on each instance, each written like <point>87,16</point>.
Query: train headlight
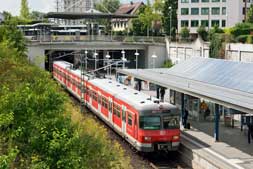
<point>175,137</point>
<point>147,138</point>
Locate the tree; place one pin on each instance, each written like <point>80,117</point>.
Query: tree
<point>24,11</point>
<point>202,32</point>
<point>108,6</point>
<point>185,33</point>
<point>250,14</point>
<point>166,17</point>
<point>36,15</point>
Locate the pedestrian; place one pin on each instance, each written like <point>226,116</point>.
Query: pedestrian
<point>250,132</point>
<point>185,117</point>
<point>162,93</point>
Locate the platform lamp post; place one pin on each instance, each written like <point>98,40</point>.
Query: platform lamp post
<point>154,56</point>
<point>136,58</point>
<point>95,56</point>
<point>123,58</point>
<point>107,57</point>
<point>170,9</point>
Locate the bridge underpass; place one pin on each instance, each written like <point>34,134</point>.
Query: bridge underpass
<point>52,50</point>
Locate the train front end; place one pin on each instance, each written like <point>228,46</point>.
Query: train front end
<point>159,129</point>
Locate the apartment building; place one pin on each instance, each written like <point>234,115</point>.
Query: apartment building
<point>223,13</point>
<point>130,9</point>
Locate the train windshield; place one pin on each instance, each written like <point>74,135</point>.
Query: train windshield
<point>150,122</point>
<point>170,122</point>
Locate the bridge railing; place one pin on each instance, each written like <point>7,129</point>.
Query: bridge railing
<point>99,38</point>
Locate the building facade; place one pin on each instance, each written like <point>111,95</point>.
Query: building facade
<point>223,13</point>
<point>124,24</point>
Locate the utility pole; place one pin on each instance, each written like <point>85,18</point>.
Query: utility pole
<point>245,7</point>
<point>82,82</point>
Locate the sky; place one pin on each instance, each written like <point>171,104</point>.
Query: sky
<point>13,6</point>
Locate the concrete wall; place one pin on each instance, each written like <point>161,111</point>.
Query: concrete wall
<point>160,52</point>
<point>179,52</point>
<point>36,55</point>
<point>239,52</point>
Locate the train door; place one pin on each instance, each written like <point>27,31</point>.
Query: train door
<point>99,102</point>
<point>110,109</point>
<point>136,124</point>
<point>123,119</point>
<point>90,96</point>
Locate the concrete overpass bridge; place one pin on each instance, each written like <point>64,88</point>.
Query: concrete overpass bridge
<point>46,49</point>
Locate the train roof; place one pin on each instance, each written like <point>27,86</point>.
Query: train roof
<point>139,100</point>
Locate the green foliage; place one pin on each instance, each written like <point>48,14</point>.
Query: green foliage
<point>108,6</point>
<point>249,39</point>
<point>216,46</point>
<point>185,33</point>
<point>242,29</point>
<point>166,17</point>
<point>168,64</point>
<point>202,32</point>
<point>36,123</point>
<point>37,16</point>
<point>213,31</point>
<point>24,11</point>
<point>250,14</point>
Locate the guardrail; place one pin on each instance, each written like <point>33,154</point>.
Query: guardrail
<point>98,38</point>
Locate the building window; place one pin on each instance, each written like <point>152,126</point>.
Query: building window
<point>224,0</point>
<point>194,11</point>
<point>130,119</point>
<point>184,1</point>
<point>205,1</point>
<point>215,11</point>
<point>184,23</point>
<point>224,10</point>
<point>223,23</point>
<point>205,23</point>
<point>204,11</point>
<point>184,11</point>
<point>195,1</point>
<point>215,23</point>
<point>194,23</point>
<point>215,0</point>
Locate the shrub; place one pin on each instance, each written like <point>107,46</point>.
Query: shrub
<point>242,38</point>
<point>202,32</point>
<point>168,64</point>
<point>185,33</point>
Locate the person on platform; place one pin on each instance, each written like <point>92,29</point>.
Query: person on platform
<point>250,132</point>
<point>185,117</point>
<point>162,93</point>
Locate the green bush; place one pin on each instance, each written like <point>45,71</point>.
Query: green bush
<point>185,33</point>
<point>202,32</point>
<point>242,29</point>
<point>242,38</point>
<point>168,64</point>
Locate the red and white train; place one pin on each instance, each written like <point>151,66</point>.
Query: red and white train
<point>143,121</point>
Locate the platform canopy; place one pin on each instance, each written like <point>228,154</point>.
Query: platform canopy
<point>86,15</point>
<point>225,82</point>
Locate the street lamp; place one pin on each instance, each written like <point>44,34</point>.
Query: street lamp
<point>107,57</point>
<point>86,58</point>
<point>123,58</point>
<point>154,57</point>
<point>136,58</point>
<point>95,56</point>
<point>170,9</point>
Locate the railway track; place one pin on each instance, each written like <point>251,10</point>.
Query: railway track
<point>158,160</point>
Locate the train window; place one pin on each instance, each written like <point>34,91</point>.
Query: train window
<point>95,96</point>
<point>150,122</point>
<point>170,122</point>
<point>130,119</point>
<point>104,102</point>
<point>116,110</point>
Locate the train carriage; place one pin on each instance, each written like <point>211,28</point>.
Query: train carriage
<point>142,120</point>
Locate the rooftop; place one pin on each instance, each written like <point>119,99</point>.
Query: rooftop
<point>129,8</point>
<point>226,82</point>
